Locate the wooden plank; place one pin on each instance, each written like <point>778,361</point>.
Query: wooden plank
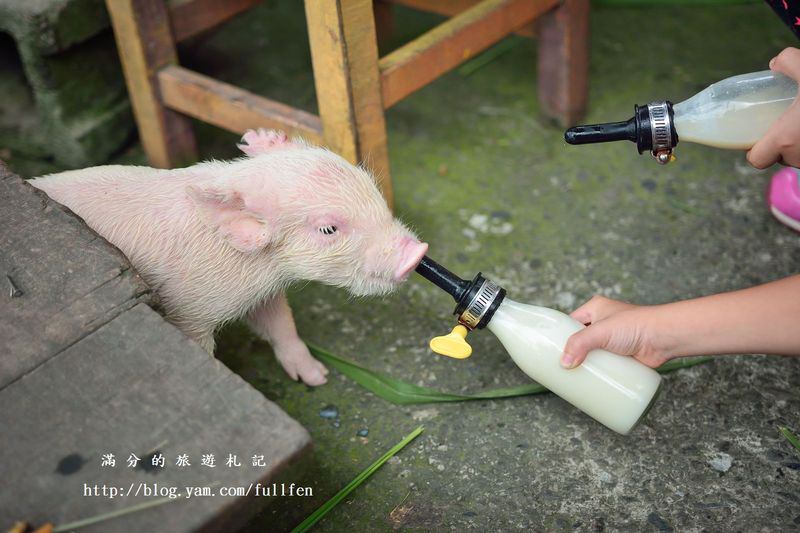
<point>424,59</point>
<point>450,8</point>
<point>230,107</point>
<point>344,54</point>
<point>70,281</point>
<point>191,17</point>
<point>138,386</point>
<point>563,63</point>
<point>141,28</point>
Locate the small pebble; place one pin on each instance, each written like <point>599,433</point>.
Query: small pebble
<point>329,412</point>
<point>721,462</point>
<point>13,290</point>
<point>500,215</point>
<point>363,432</point>
<point>605,477</point>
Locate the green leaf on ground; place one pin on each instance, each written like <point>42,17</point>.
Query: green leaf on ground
<point>791,437</point>
<point>317,515</point>
<point>403,393</point>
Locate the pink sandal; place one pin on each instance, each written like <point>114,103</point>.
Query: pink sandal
<point>784,197</point>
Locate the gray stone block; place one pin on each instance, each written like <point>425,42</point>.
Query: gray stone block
<point>138,386</point>
<point>62,62</point>
<point>72,281</point>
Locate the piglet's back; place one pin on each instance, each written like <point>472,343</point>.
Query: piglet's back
<point>121,202</point>
<point>92,187</point>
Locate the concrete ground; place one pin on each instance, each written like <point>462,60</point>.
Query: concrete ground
<point>492,187</point>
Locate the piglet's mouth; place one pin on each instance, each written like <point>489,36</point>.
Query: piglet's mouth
<point>411,254</point>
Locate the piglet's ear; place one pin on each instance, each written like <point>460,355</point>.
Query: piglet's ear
<point>261,141</point>
<point>224,212</point>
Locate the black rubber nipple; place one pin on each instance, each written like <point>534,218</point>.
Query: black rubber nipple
<point>602,133</point>
<point>638,129</point>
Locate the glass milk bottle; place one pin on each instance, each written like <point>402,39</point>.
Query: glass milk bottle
<point>733,113</point>
<point>615,390</point>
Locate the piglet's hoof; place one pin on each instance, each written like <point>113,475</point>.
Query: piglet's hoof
<point>259,141</point>
<point>299,363</point>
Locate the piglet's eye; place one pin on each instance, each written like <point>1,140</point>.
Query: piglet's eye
<point>328,230</point>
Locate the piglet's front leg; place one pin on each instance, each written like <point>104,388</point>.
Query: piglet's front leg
<point>273,320</point>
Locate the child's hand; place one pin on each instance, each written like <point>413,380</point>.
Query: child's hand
<point>618,327</point>
<point>760,319</point>
<point>782,140</point>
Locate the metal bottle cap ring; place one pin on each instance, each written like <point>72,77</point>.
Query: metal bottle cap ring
<point>480,304</point>
<point>661,131</point>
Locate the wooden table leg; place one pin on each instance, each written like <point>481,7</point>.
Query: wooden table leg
<point>564,61</point>
<point>344,54</point>
<point>384,20</point>
<point>145,44</point>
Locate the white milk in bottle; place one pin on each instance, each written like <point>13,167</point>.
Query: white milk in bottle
<point>736,112</point>
<point>613,389</point>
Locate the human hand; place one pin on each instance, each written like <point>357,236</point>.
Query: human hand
<point>782,140</point>
<point>761,319</point>
<point>618,327</point>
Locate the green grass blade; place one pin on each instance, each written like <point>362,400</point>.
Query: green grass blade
<point>403,393</point>
<point>317,515</point>
<point>791,437</point>
<point>683,362</point>
<point>113,514</point>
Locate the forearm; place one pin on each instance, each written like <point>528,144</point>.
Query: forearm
<point>762,319</point>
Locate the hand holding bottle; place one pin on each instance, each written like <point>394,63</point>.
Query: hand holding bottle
<point>760,319</point>
<point>618,327</point>
<point>782,140</point>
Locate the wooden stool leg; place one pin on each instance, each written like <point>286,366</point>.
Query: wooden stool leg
<point>145,46</point>
<point>344,54</point>
<point>384,20</point>
<point>564,61</point>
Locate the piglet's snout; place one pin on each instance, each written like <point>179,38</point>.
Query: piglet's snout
<point>410,254</point>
